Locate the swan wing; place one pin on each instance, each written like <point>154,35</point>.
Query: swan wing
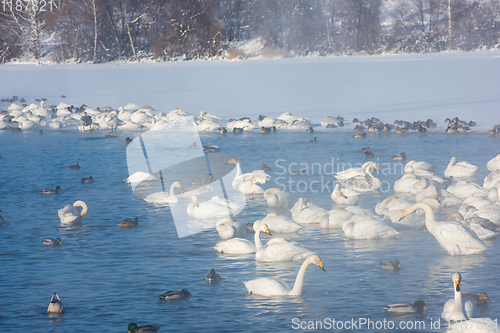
<point>267,287</point>
<point>236,245</point>
<point>458,239</point>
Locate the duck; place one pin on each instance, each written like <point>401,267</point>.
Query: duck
<point>175,295</point>
<point>213,208</point>
<point>162,197</point>
<point>455,238</point>
<point>280,224</point>
<point>128,140</point>
<point>305,212</point>
<point>222,131</point>
<point>460,169</point>
<point>74,167</point>
<point>229,228</point>
<point>50,191</point>
<point>480,299</point>
<point>55,305</point>
<point>392,265</point>
<point>275,287</point>
<point>353,172</point>
<point>313,140</point>
<point>213,277</point>
<point>369,154</point>
<point>265,130</point>
<point>129,223</point>
<point>417,307</point>
<point>247,183</point>
<point>343,196</point>
<point>51,241</point>
<point>400,157</point>
<point>456,310</point>
<point>211,149</point>
<point>89,180</point>
<point>133,328</point>
<point>310,130</point>
<point>279,199</point>
<point>241,245</point>
<point>359,135</point>
<point>265,168</point>
<point>71,213</point>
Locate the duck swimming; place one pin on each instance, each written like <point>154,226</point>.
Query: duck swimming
<point>400,157</point>
<point>213,277</point>
<point>390,265</point>
<point>133,328</point>
<point>89,180</point>
<point>129,223</point>
<point>55,305</point>
<point>73,167</point>
<point>51,241</point>
<point>51,191</point>
<point>175,295</point>
<point>480,299</point>
<point>417,307</point>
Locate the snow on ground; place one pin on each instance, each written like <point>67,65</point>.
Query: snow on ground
<point>408,87</point>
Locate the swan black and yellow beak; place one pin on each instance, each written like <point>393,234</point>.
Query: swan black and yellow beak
<point>266,229</point>
<point>402,216</point>
<point>321,266</point>
<point>457,285</point>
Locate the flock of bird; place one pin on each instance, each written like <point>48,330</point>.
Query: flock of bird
<point>477,216</point>
<point>132,117</point>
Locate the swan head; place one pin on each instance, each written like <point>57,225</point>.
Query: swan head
<point>177,184</point>
<point>457,278</point>
<point>258,226</point>
<point>315,259</point>
<point>233,160</point>
<point>82,204</point>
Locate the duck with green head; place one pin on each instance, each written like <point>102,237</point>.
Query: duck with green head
<point>133,328</point>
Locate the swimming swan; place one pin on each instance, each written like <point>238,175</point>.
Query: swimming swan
<point>213,208</point>
<point>71,214</point>
<point>344,196</point>
<point>229,228</point>
<point>280,224</point>
<point>367,227</point>
<point>455,309</point>
<point>273,287</point>
<point>241,245</point>
<point>305,212</point>
<point>366,183</point>
<point>247,183</point>
<point>460,170</point>
<point>455,238</point>
<point>162,197</point>
<point>353,172</point>
<point>277,198</point>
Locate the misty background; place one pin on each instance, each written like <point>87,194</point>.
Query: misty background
<point>131,30</point>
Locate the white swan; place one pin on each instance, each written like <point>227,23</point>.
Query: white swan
<point>71,213</point>
<point>344,196</point>
<point>491,179</point>
<point>273,287</point>
<point>415,167</point>
<point>163,197</point>
<point>353,172</point>
<point>247,183</point>
<point>460,170</point>
<point>280,224</point>
<point>214,208</point>
<point>404,184</point>
<point>206,125</point>
<point>455,309</point>
<point>455,238</point>
<point>140,176</point>
<point>366,183</point>
<point>366,227</point>
<point>241,245</point>
<point>483,228</point>
<point>277,198</point>
<point>464,189</point>
<point>335,218</point>
<point>244,123</point>
<point>229,228</point>
<point>305,212</point>
<point>494,163</point>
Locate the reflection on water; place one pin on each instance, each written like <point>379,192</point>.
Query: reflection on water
<point>109,277</point>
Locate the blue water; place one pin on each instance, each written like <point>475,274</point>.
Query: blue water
<point>108,277</point>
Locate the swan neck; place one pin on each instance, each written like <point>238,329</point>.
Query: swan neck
<point>172,193</point>
<point>452,161</point>
<point>299,281</point>
<point>258,242</point>
<point>238,169</point>
<point>457,308</point>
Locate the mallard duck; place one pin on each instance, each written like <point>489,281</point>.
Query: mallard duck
<point>50,191</point>
<point>480,299</point>
<point>400,157</point>
<point>89,180</point>
<point>175,295</point>
<point>129,223</point>
<point>390,265</point>
<point>73,167</point>
<point>51,241</point>
<point>418,307</point>
<point>213,277</point>
<point>265,130</point>
<point>310,130</point>
<point>55,304</point>
<point>369,154</point>
<point>133,328</point>
<point>365,149</point>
